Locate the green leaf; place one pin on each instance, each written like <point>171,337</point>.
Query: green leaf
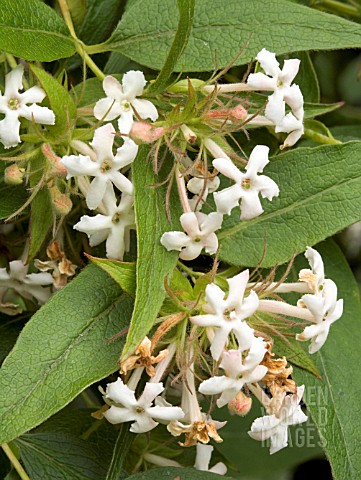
<point>12,198</point>
<point>122,272</point>
<point>186,13</point>
<point>121,448</point>
<point>62,105</point>
<point>173,473</point>
<point>58,456</point>
<point>225,27</point>
<point>54,358</point>
<point>335,402</point>
<point>32,30</point>
<point>320,193</point>
<point>154,263</point>
<point>41,221</point>
<point>100,19</point>
<point>318,132</point>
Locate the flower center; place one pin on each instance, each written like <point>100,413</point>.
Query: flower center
<point>246,183</point>
<point>116,217</point>
<point>125,105</point>
<point>227,313</point>
<point>13,103</point>
<point>106,166</point>
<point>197,240</point>
<point>139,409</point>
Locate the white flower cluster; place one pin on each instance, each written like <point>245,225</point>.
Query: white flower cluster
<point>115,221</point>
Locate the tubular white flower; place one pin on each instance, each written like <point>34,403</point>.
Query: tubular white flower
<point>106,166</point>
<point>140,412</point>
<point>228,315</point>
<point>121,101</point>
<point>326,309</point>
<point>201,188</point>
<point>275,427</point>
<point>14,105</point>
<point>239,372</point>
<point>279,81</point>
<point>248,185</point>
<point>199,229</point>
<point>28,285</point>
<point>113,226</point>
<point>203,458</point>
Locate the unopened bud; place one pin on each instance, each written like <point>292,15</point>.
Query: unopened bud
<point>61,202</point>
<point>183,85</point>
<point>57,168</point>
<point>233,114</point>
<point>240,405</point>
<point>14,175</point>
<point>145,133</point>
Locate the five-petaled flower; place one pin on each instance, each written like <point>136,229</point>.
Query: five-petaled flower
<point>199,229</point>
<point>114,226</point>
<point>248,185</point>
<point>14,105</point>
<point>228,315</point>
<point>121,101</point>
<point>279,81</point>
<point>239,371</point>
<point>105,167</point>
<point>141,412</point>
<point>275,427</point>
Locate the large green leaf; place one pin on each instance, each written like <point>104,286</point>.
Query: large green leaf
<point>64,348</point>
<point>154,263</point>
<point>30,29</point>
<point>62,105</point>
<point>58,456</point>
<point>146,31</point>
<point>12,198</point>
<point>335,402</point>
<point>320,193</point>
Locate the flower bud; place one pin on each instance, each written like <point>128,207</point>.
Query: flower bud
<point>233,114</point>
<point>57,168</point>
<point>145,133</point>
<point>240,405</point>
<point>14,175</point>
<point>61,202</point>
<point>183,85</point>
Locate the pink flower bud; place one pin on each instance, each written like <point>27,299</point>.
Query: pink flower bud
<point>14,175</point>
<point>61,202</point>
<point>240,405</point>
<point>233,114</point>
<point>58,169</point>
<point>145,133</point>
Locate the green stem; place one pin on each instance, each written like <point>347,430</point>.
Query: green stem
<point>15,462</point>
<point>189,270</point>
<point>80,47</point>
<point>318,137</point>
<point>338,7</point>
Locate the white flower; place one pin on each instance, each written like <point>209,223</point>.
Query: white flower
<point>201,188</point>
<point>121,101</point>
<point>140,412</point>
<point>279,81</point>
<point>248,185</point>
<point>199,229</point>
<point>228,315</point>
<point>113,227</point>
<point>275,426</point>
<point>14,105</point>
<point>203,458</point>
<point>316,276</point>
<point>106,166</point>
<point>239,371</point>
<point>326,309</point>
<point>28,285</point>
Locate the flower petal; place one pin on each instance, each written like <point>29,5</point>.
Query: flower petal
<point>276,107</point>
<point>79,165</point>
<point>143,424</point>
<point>151,390</point>
<point>112,88</point>
<point>174,240</point>
<point>96,191</point>
<point>121,182</point>
<point>107,109</point>
<point>166,414</point>
<point>120,393</point>
<point>125,121</point>
<point>268,62</point>
<point>228,169</point>
<point>228,199</point>
<point>37,114</point>
<point>10,130</point>
<point>145,109</point>
<point>191,251</point>
<point>133,84</point>
<point>102,142</point>
<point>257,160</point>
<point>14,82</point>
<point>250,205</point>
<point>126,153</point>
<point>115,245</point>
<point>116,415</point>
<point>90,225</point>
<point>261,81</point>
<point>289,70</point>
<point>237,286</point>
<point>267,187</point>
<point>33,95</point>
